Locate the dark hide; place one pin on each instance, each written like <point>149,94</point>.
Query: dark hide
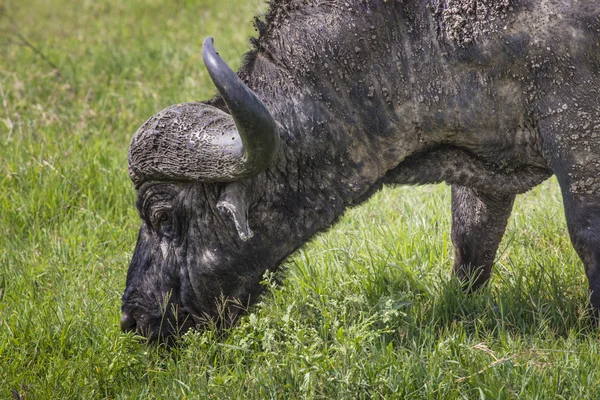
<point>492,97</point>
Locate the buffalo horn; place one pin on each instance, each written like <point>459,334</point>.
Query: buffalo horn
<point>200,142</point>
<point>255,125</point>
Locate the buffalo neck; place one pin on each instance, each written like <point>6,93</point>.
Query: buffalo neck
<point>356,93</point>
<point>341,118</point>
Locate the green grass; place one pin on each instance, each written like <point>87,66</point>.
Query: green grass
<point>367,310</point>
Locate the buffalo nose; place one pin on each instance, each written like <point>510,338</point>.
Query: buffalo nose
<point>127,323</point>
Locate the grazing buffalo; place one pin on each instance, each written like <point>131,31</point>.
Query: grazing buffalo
<point>337,98</point>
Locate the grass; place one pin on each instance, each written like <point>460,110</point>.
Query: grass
<point>367,310</point>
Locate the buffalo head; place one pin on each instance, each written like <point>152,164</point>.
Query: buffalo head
<point>193,166</point>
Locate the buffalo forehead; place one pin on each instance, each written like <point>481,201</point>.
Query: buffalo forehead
<point>185,141</point>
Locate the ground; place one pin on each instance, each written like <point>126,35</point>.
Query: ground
<point>367,310</point>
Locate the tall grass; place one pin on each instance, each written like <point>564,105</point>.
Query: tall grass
<point>367,310</point>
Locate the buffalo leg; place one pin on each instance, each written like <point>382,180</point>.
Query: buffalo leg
<point>583,221</point>
<point>478,224</point>
<point>573,152</point>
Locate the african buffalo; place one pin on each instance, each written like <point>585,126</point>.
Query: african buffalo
<point>337,98</point>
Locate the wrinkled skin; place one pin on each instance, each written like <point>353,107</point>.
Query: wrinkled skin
<point>383,92</point>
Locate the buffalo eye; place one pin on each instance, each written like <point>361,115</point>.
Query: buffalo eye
<point>156,204</point>
<point>161,221</point>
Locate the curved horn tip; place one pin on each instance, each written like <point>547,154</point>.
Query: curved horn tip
<point>208,41</point>
<point>211,57</point>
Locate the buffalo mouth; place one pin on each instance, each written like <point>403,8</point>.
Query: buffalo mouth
<point>166,327</point>
<point>172,324</point>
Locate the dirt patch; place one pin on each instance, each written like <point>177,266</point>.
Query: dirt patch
<point>464,20</point>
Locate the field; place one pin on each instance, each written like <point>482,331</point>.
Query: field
<point>366,310</point>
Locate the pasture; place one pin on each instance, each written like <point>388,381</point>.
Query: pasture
<point>366,310</point>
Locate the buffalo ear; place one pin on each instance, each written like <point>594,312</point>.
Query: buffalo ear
<point>234,203</point>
